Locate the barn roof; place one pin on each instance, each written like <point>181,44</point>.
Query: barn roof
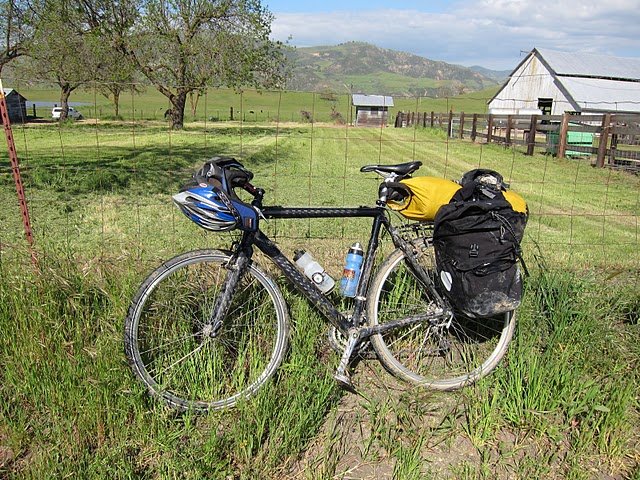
<point>590,65</point>
<point>603,94</point>
<point>372,101</point>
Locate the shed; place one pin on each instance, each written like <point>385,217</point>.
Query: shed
<point>371,110</point>
<point>16,105</point>
<point>557,82</point>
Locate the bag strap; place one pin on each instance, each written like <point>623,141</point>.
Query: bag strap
<point>509,228</point>
<point>395,192</point>
<point>478,174</point>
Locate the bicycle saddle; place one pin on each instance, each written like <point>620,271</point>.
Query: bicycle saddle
<point>399,169</point>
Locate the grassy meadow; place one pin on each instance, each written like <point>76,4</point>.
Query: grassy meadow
<point>247,106</point>
<point>565,402</point>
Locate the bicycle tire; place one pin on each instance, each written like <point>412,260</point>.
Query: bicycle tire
<point>440,356</point>
<point>169,351</point>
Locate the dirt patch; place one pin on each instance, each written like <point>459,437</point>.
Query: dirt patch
<point>391,430</point>
<point>7,456</point>
<point>370,434</point>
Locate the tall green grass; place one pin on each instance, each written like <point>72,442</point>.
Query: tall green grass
<point>70,406</point>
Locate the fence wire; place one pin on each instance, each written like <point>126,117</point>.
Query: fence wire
<point>99,189</point>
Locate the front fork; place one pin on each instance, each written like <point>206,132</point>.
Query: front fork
<point>237,267</point>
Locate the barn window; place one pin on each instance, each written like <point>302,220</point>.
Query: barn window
<point>545,105</point>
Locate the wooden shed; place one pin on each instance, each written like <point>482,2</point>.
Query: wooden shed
<point>16,105</point>
<point>371,110</point>
<point>553,82</point>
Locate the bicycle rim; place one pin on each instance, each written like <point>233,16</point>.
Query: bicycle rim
<point>443,354</point>
<point>171,346</point>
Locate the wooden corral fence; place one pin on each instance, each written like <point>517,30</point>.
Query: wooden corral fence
<point>610,139</point>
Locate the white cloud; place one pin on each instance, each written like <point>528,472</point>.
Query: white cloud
<point>490,33</point>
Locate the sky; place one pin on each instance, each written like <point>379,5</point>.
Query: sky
<point>495,34</point>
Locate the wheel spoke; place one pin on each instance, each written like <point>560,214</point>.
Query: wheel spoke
<point>186,361</point>
<point>440,354</point>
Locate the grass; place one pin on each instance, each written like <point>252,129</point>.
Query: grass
<point>90,178</point>
<point>248,106</point>
<point>563,404</point>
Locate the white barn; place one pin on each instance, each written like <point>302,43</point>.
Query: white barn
<point>553,82</point>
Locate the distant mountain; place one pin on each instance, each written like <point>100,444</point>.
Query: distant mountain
<point>365,68</point>
<point>499,76</point>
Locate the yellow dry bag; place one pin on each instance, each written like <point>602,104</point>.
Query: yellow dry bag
<point>427,195</point>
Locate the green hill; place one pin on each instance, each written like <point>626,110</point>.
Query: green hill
<point>365,68</point>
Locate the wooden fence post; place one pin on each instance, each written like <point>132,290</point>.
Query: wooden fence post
<point>563,135</point>
<point>490,128</point>
<point>612,149</point>
<point>461,136</point>
<point>450,125</point>
<point>508,134</point>
<point>432,118</point>
<point>531,138</point>
<point>474,127</point>
<point>604,139</point>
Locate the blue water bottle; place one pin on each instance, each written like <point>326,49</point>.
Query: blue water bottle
<point>351,272</point>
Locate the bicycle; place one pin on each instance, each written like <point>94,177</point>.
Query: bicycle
<point>209,328</point>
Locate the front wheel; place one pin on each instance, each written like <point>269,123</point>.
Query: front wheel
<point>186,361</point>
<point>442,353</point>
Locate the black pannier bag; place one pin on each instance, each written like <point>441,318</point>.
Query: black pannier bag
<point>477,246</point>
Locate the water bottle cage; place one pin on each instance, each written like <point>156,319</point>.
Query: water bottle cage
<point>317,278</point>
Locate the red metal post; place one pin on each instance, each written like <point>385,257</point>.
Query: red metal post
<point>15,167</point>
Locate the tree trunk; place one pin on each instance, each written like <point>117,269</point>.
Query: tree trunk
<point>194,97</point>
<point>178,103</point>
<point>116,103</point>
<point>65,93</point>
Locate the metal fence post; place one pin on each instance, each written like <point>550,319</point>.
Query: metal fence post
<point>15,167</point>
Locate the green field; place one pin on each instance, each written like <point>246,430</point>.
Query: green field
<point>563,404</point>
<point>248,106</point>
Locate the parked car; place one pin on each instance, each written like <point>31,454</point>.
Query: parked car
<point>71,113</point>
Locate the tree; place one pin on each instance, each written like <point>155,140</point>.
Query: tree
<point>62,49</point>
<point>182,46</point>
<point>107,21</point>
<point>115,75</point>
<point>16,29</point>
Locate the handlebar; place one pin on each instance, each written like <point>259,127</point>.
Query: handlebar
<point>256,193</point>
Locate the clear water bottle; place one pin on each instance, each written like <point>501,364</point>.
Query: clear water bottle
<point>313,271</point>
<point>351,273</point>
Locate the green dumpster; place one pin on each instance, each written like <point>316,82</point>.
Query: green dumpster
<point>579,139</point>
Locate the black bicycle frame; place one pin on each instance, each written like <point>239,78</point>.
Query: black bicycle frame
<point>356,325</point>
<point>306,287</point>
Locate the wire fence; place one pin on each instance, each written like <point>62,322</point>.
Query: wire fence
<point>99,189</point>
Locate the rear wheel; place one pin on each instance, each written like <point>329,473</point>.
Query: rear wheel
<point>442,353</point>
<point>184,360</point>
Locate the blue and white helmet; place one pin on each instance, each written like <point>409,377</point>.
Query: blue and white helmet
<point>208,208</point>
